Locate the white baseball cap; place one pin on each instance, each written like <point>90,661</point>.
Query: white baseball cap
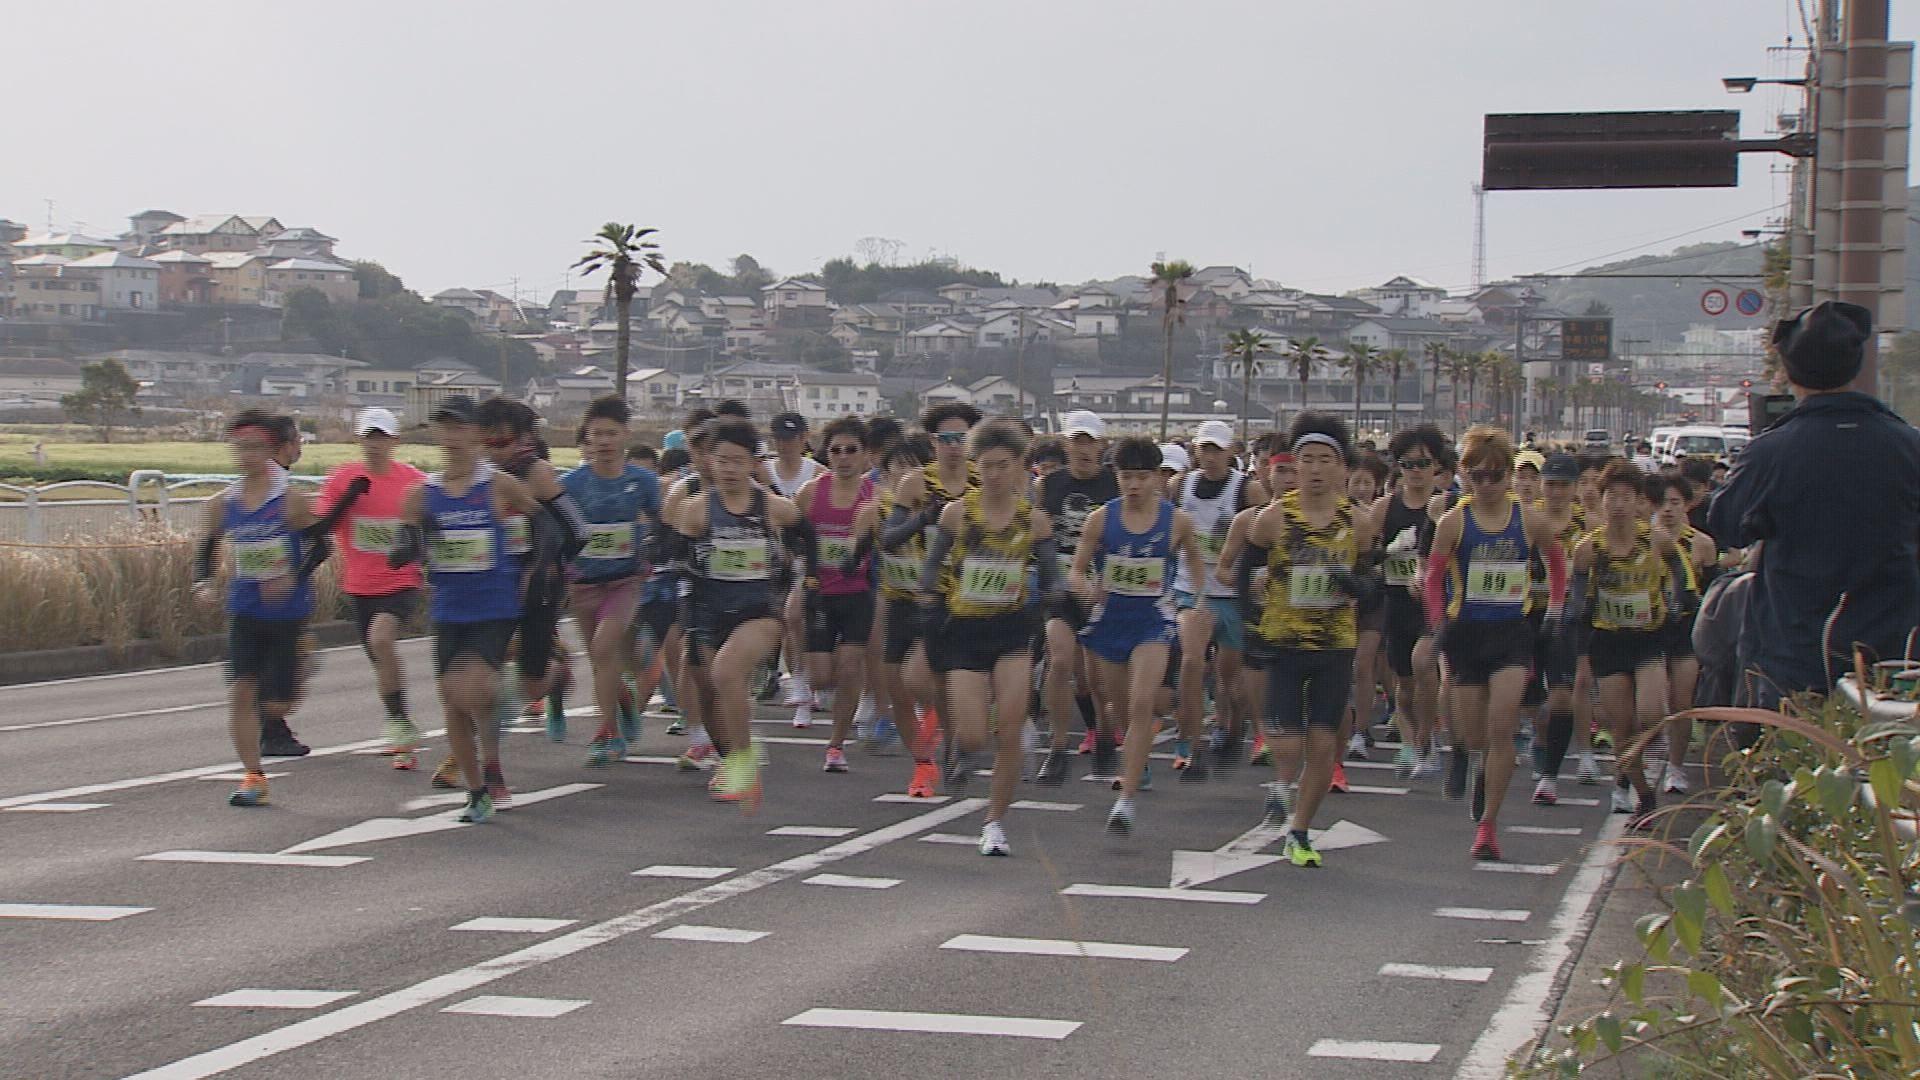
<point>376,420</point>
<point>1174,456</point>
<point>1082,422</point>
<point>1217,432</point>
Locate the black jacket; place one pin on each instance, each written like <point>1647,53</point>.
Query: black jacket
<point>1833,487</point>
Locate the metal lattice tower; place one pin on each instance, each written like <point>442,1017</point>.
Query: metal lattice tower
<point>1479,236</point>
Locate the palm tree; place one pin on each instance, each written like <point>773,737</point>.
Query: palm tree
<point>1303,355</point>
<point>1437,361</point>
<point>1247,345</point>
<point>1455,364</point>
<point>624,251</point>
<point>1168,277</point>
<point>1395,360</point>
<point>1552,392</point>
<point>1362,360</point>
<point>1505,379</point>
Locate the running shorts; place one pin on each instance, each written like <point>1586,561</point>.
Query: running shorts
<point>1621,652</point>
<point>903,629</point>
<point>977,644</point>
<point>1113,639</point>
<point>833,621</point>
<point>266,651</point>
<point>485,641</point>
<point>1308,688</point>
<point>1476,649</point>
<point>1229,627</point>
<point>401,605</point>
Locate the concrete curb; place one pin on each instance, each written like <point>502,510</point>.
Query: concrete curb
<point>28,667</point>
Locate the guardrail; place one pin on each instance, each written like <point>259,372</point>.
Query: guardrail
<point>43,514</point>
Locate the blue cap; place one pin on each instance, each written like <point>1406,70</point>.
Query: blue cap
<point>675,440</point>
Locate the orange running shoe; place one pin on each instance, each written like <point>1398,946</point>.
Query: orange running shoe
<point>251,792</point>
<point>1339,782</point>
<point>926,777</point>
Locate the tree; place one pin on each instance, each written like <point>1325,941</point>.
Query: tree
<point>1458,364</point>
<point>1395,361</point>
<point>1505,379</point>
<point>1362,360</point>
<point>377,281</point>
<point>1597,309</point>
<point>1553,394</point>
<point>1303,355</point>
<point>1437,361</point>
<point>105,396</point>
<point>624,252</point>
<point>749,277</point>
<point>1247,345</point>
<point>1167,278</point>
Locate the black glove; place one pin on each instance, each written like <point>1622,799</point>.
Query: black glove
<point>359,486</point>
<point>408,547</point>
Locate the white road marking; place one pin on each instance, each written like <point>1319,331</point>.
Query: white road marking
<point>434,802</point>
<point>711,933</point>
<point>440,987</point>
<point>114,716</point>
<point>1483,914</point>
<point>1527,1008</point>
<point>950,838</point>
<point>638,760</point>
<point>256,998</point>
<point>255,858</point>
<point>236,777</point>
<point>830,832</point>
<point>1369,765</point>
<point>1579,802</point>
<point>694,873</point>
<point>1543,830</point>
<point>1144,892</point>
<point>55,807</point>
<point>390,828</point>
<point>69,681</point>
<point>849,881</point>
<point>511,925</point>
<point>1037,804</point>
<point>1345,834</point>
<point>790,740</point>
<point>535,1008</point>
<point>1101,950</point>
<point>1363,789</point>
<point>1430,971</point>
<point>894,796</point>
<point>1369,1050</point>
<point>72,912</point>
<point>1540,869</point>
<point>1020,1027</point>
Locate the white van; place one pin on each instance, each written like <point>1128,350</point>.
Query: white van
<point>1702,441</point>
<point>1662,440</point>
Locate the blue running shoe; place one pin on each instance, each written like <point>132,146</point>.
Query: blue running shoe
<point>556,718</point>
<point>886,736</point>
<point>617,748</point>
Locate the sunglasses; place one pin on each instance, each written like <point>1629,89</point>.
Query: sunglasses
<point>837,450</point>
<point>1486,476</point>
<point>951,437</point>
<point>1416,463</point>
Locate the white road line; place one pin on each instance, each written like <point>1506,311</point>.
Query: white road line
<point>1369,765</point>
<point>1144,892</point>
<point>950,838</point>
<point>791,740</point>
<point>830,832</point>
<point>434,802</point>
<point>694,873</point>
<point>849,881</point>
<point>711,933</point>
<point>1483,914</point>
<point>895,796</point>
<point>1101,950</point>
<point>256,998</point>
<point>511,925</point>
<point>535,1008</point>
<point>1037,804</point>
<point>1430,971</point>
<point>440,987</point>
<point>179,774</point>
<point>71,912</point>
<point>1369,1050</point>
<point>1020,1027</point>
<point>114,716</point>
<point>648,760</point>
<point>1529,1003</point>
<point>1540,869</point>
<point>1543,830</point>
<point>255,858</point>
<point>1579,802</point>
<point>236,777</point>
<point>55,808</point>
<point>1362,789</point>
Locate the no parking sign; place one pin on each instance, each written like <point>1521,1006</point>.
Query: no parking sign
<point>1749,302</point>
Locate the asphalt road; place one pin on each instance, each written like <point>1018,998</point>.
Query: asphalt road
<point>351,890</point>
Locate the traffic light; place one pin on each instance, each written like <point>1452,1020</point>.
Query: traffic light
<point>1659,386</point>
<point>1746,384</point>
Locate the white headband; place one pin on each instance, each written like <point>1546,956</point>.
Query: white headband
<point>1312,437</point>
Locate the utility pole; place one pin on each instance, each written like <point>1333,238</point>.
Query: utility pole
<point>1020,367</point>
<point>1863,149</point>
<point>1479,237</point>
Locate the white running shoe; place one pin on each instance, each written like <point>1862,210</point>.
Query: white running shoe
<point>803,715</point>
<point>1357,747</point>
<point>798,692</point>
<point>1589,773</point>
<point>863,719</point>
<point>1676,781</point>
<point>1623,801</point>
<point>993,840</point>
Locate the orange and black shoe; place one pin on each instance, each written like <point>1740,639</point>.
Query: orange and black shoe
<point>926,778</point>
<point>251,792</point>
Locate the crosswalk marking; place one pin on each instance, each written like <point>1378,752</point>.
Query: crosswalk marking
<point>1543,830</point>
<point>711,933</point>
<point>1483,914</point>
<point>829,832</point>
<point>252,997</point>
<point>1038,804</point>
<point>1019,1027</point>
<point>949,838</point>
<point>1540,869</point>
<point>71,912</point>
<point>849,881</point>
<point>54,808</point>
<point>255,858</point>
<point>695,873</point>
<point>1144,892</point>
<point>1100,950</point>
<point>509,925</point>
<point>898,797</point>
<point>498,1005</point>
<point>1369,1050</point>
<point>1431,971</point>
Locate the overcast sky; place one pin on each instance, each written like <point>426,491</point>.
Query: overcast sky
<point>1327,145</point>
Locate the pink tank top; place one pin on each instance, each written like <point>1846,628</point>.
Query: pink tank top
<point>834,526</point>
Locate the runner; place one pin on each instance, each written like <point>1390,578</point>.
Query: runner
<point>670,603</point>
<point>976,570</point>
<point>840,612</point>
<point>789,470</point>
<point>1586,695</point>
<point>1365,481</point>
<point>1404,529</point>
<point>1556,654</point>
<point>873,721</point>
<point>1312,542</point>
<point>1481,550</point>
<point>270,595</point>
<point>907,679</point>
<point>276,738</point>
<point>457,520</point>
<point>1683,666</point>
<point>1069,496</point>
<point>384,599</point>
<point>615,497</point>
<point>1129,543</point>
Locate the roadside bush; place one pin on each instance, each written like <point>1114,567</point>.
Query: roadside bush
<point>1790,948</point>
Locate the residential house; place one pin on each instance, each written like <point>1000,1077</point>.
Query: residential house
<point>738,312</point>
<point>997,395</point>
<point>579,307</point>
<point>502,311</point>
<point>147,225</point>
<point>957,293</point>
<point>919,303</point>
<point>766,388</point>
<point>822,395</point>
<point>1323,314</point>
<point>67,245</point>
<point>1095,296</point>
<point>1230,282</point>
<point>795,302</point>
<point>441,378</point>
<point>41,379</point>
<point>1005,328</point>
<point>465,301</point>
<point>1098,321</point>
<point>942,337</point>
<point>653,389</point>
<point>330,279</point>
<point>176,374</point>
<point>305,375</point>
<point>42,294</point>
<point>185,278</point>
<point>1405,297</point>
<point>1413,335</point>
<point>384,386</point>
<point>127,282</point>
<point>299,243</point>
<point>1269,308</point>
<point>1022,296</point>
<point>568,391</point>
<point>203,234</point>
<point>239,277</point>
<point>1131,403</point>
<point>744,341</point>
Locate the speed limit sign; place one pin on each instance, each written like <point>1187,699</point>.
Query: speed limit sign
<point>1714,302</point>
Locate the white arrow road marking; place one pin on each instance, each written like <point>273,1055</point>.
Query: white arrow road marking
<point>255,858</point>
<point>389,828</point>
<point>1242,853</point>
<point>256,998</point>
<point>72,912</point>
<point>1019,1027</point>
<point>1103,950</point>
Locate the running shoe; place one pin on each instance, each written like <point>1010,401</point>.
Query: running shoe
<point>1146,780</point>
<point>497,787</point>
<point>1486,846</point>
<point>1228,748</point>
<point>1195,772</point>
<point>283,744</point>
<point>863,717</point>
<point>1477,785</point>
<point>926,776</point>
<point>1405,761</point>
<point>1428,767</point>
<point>406,762</point>
<point>1087,743</point>
<point>1589,772</point>
<point>617,748</point>
<point>1182,754</point>
<point>402,736</point>
<point>1279,805</point>
<point>1339,781</point>
<point>696,757</point>
<point>740,779</point>
<point>629,724</point>
<point>993,840</point>
<point>1053,768</point>
<point>678,727</point>
<point>599,754</point>
<point>251,792</point>
<point>1454,786</point>
<point>1622,800</point>
<point>764,684</point>
<point>1546,792</point>
<point>959,768</point>
<point>535,709</point>
<point>1675,782</point>
<point>797,692</point>
<point>803,715</point>
<point>1120,818</point>
<point>447,776</point>
<point>1106,757</point>
<point>714,785</point>
<point>556,718</point>
<point>1262,755</point>
<point>479,807</point>
<point>882,736</point>
<point>1357,747</point>
<point>1300,852</point>
<point>836,760</point>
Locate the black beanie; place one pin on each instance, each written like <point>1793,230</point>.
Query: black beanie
<point>1821,347</point>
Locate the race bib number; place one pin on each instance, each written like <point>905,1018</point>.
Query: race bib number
<point>519,534</point>
<point>989,582</point>
<point>1064,560</point>
<point>1131,576</point>
<point>834,550</point>
<point>738,560</point>
<point>900,572</point>
<point>1210,545</point>
<point>1312,588</point>
<point>463,551</point>
<point>614,541</point>
<point>1629,610</point>
<point>1497,582</point>
<point>1402,569</point>
<point>262,560</point>
<point>376,535</point>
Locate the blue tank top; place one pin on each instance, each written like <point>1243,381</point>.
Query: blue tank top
<point>1135,568</point>
<point>612,506</point>
<point>262,548</point>
<point>735,562</point>
<point>1489,579</point>
<point>473,579</point>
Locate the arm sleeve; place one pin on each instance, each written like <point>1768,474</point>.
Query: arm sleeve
<point>325,523</point>
<point>903,525</point>
<point>319,546</point>
<point>938,548</point>
<point>802,540</point>
<point>1254,556</point>
<point>566,512</point>
<point>204,557</point>
<point>408,546</point>
<point>1048,552</point>
<point>1577,607</point>
<point>1556,577</point>
<point>1434,590</point>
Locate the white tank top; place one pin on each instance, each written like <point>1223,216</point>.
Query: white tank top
<point>809,469</point>
<point>1211,520</point>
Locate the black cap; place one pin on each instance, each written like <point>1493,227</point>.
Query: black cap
<point>459,408</point>
<point>1561,467</point>
<point>1822,348</point>
<point>788,424</point>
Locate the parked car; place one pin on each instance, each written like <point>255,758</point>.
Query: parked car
<point>1597,439</point>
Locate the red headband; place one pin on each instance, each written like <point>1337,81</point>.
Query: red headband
<point>1280,459</point>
